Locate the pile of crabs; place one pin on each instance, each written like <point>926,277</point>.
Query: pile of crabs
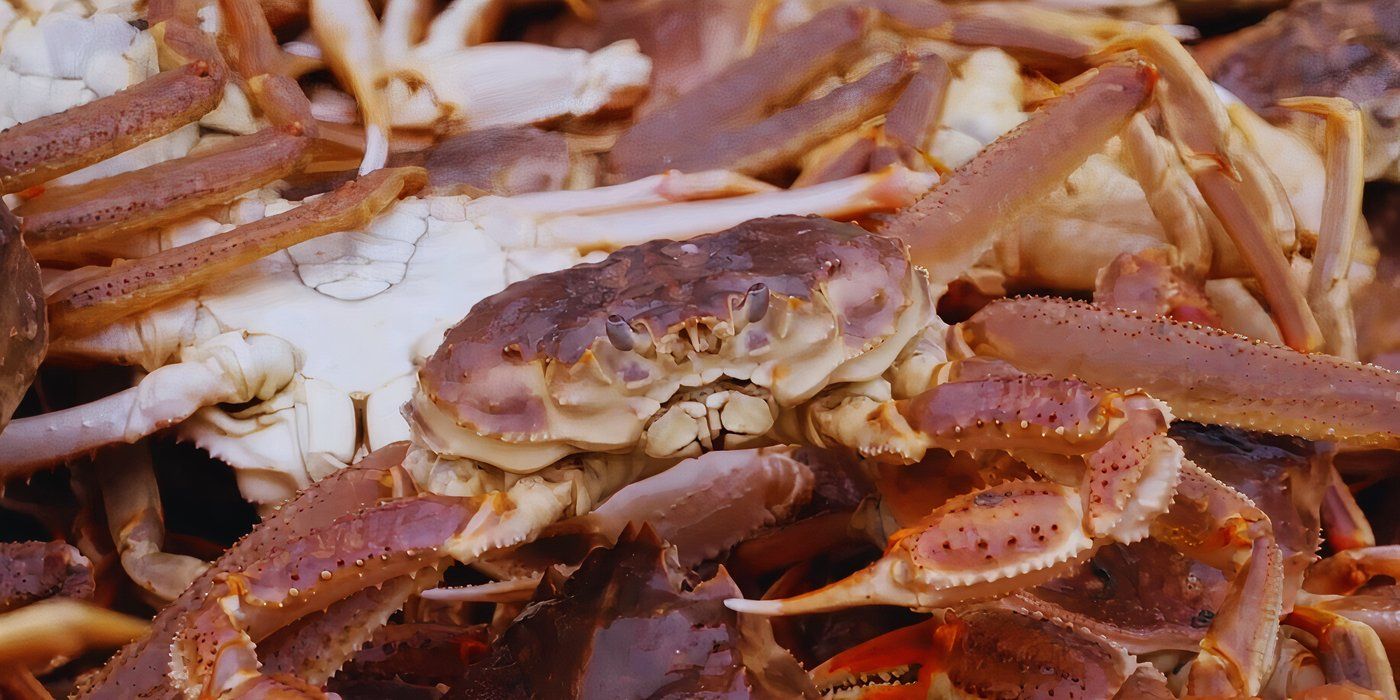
<point>661,349</point>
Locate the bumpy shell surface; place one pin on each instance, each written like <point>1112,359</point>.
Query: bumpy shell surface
<point>579,359</point>
<point>23,331</point>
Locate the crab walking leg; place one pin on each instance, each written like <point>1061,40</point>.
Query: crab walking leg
<point>953,226</point>
<point>133,286</point>
<point>1205,375</point>
<point>1235,184</point>
<point>670,186</point>
<point>31,571</point>
<point>1344,523</point>
<point>914,115</point>
<point>785,136</point>
<point>40,150</point>
<point>228,368</point>
<point>1345,572</point>
<point>702,506</point>
<point>1350,651</point>
<point>1341,213</point>
<point>350,41</point>
<point>886,190</point>
<point>995,540</point>
<point>35,635</point>
<point>215,654</point>
<point>1166,184</point>
<point>131,499</point>
<point>60,223</point>
<point>1216,524</point>
<point>141,669</point>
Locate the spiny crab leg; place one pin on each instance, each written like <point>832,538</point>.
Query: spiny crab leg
<point>951,228</point>
<point>61,223</point>
<point>1232,180</point>
<point>133,286</point>
<point>32,571</point>
<point>228,368</point>
<point>994,540</point>
<point>1205,375</point>
<point>1341,213</point>
<point>36,151</point>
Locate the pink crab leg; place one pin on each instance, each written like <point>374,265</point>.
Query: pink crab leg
<point>670,186</point>
<point>1341,212</point>
<point>1345,572</point>
<point>349,37</point>
<point>1018,533</point>
<point>782,138</point>
<point>1350,652</point>
<point>142,669</point>
<point>773,75</point>
<point>914,115</point>
<point>1205,375</point>
<point>951,228</point>
<point>136,285</point>
<point>60,223</point>
<point>40,150</point>
<point>31,571</point>
<point>1344,523</point>
<point>886,190</point>
<point>1230,178</point>
<point>228,368</point>
<point>35,635</point>
<point>1166,185</point>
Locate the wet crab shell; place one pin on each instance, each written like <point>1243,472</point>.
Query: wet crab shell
<point>581,359</point>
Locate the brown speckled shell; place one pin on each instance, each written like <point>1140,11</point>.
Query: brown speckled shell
<point>23,330</point>
<point>657,287</point>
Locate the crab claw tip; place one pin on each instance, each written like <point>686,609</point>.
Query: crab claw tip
<point>767,608</point>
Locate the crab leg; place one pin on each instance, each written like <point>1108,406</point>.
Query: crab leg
<point>349,37</point>
<point>142,669</point>
<point>133,286</point>
<point>40,150</point>
<point>785,136</point>
<point>951,227</point>
<point>229,368</point>
<point>31,571</point>
<point>744,91</point>
<point>134,515</point>
<point>1341,212</point>
<point>1205,375</point>
<point>998,539</point>
<point>1344,523</point>
<point>1346,571</point>
<point>1350,651</point>
<point>1234,183</point>
<point>60,223</point>
<point>1167,184</point>
<point>35,635</point>
<point>914,115</point>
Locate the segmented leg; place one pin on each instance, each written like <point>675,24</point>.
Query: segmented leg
<point>131,498</point>
<point>1235,184</point>
<point>60,223</point>
<point>1346,571</point>
<point>35,635</point>
<point>32,571</point>
<point>1350,652</point>
<point>133,286</point>
<point>42,149</point>
<point>1205,375</point>
<point>1111,471</point>
<point>1343,521</point>
<point>1328,292</point>
<point>950,229</point>
<point>226,369</point>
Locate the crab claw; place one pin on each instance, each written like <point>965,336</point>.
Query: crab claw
<point>977,652</point>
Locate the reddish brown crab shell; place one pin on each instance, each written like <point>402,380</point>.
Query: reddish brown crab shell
<point>580,359</point>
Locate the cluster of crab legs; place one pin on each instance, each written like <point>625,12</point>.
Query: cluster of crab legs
<point>542,410</point>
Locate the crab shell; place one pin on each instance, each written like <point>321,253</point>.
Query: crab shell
<point>582,359</point>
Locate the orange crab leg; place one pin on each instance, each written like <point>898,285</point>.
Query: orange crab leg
<point>951,227</point>
<point>37,151</point>
<point>133,286</point>
<point>1204,374</point>
<point>60,224</point>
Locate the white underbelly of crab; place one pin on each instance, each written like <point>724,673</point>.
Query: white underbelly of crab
<point>360,309</point>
